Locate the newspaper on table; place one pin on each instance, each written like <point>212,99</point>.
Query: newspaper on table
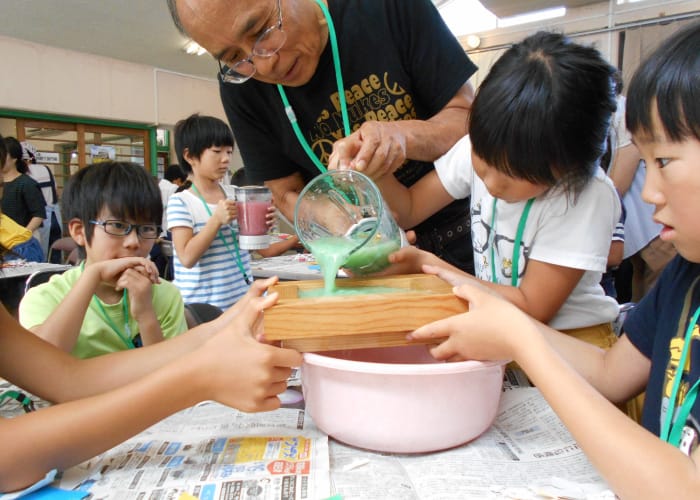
<point>211,451</point>
<point>527,453</point>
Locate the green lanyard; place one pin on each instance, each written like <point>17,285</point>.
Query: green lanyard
<point>125,311</point>
<point>515,264</point>
<point>341,95</point>
<point>672,433</point>
<point>235,252</point>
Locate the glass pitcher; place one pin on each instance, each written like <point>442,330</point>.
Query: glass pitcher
<point>341,215</point>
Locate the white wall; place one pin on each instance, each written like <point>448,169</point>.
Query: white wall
<point>49,80</point>
<point>44,79</point>
<point>597,25</point>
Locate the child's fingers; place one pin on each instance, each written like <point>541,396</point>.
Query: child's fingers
<point>446,275</point>
<point>252,313</point>
<point>446,352</point>
<point>435,330</point>
<point>475,293</point>
<point>411,237</point>
<point>147,269</point>
<point>259,287</point>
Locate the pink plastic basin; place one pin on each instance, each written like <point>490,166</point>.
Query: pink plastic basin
<point>400,399</point>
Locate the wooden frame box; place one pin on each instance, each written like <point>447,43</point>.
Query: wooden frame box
<point>358,321</point>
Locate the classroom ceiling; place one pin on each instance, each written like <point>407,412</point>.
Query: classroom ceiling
<point>141,31</point>
<point>507,8</point>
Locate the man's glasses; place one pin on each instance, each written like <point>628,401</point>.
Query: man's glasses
<point>268,44</point>
<point>121,228</point>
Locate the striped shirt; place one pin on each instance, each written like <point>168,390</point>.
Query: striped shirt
<point>216,278</point>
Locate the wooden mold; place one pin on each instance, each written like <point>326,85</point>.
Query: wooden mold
<point>325,323</point>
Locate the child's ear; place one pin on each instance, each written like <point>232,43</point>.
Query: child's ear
<point>187,156</point>
<point>76,229</point>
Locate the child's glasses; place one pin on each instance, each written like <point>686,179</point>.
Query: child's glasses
<point>121,228</point>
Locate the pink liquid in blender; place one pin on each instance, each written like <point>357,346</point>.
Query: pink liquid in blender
<point>252,217</point>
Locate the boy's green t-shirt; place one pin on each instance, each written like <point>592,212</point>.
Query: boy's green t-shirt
<point>97,336</point>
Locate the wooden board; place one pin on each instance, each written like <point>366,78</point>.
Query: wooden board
<point>358,321</point>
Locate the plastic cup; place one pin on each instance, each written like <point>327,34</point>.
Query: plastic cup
<point>341,218</point>
<point>253,203</point>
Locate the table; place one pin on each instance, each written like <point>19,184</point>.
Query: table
<point>22,269</point>
<point>212,451</point>
<point>14,274</point>
<point>294,267</point>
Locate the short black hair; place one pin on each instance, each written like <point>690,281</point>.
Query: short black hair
<point>125,189</point>
<point>3,156</point>
<point>3,151</point>
<point>197,133</point>
<point>172,7</point>
<point>668,80</point>
<point>14,149</point>
<point>239,178</point>
<point>543,111</point>
<point>174,172</point>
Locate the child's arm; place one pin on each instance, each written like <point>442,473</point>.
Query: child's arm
<point>617,249</point>
<point>410,260</point>
<point>541,293</point>
<point>625,167</point>
<point>413,205</point>
<point>543,290</point>
<point>574,377</point>
<point>62,327</point>
<point>230,367</point>
<point>279,247</point>
<point>189,246</point>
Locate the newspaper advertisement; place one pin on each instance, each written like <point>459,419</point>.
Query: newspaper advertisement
<point>527,453</point>
<point>212,452</point>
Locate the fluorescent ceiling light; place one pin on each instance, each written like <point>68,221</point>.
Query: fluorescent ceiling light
<point>467,16</point>
<point>193,47</point>
<point>531,17</point>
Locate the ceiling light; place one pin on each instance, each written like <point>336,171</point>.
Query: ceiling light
<point>193,47</point>
<point>473,41</point>
<point>466,16</point>
<point>531,17</point>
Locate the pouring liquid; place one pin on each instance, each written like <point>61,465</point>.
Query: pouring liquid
<point>331,253</point>
<point>334,252</point>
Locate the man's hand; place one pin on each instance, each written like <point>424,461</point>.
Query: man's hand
<point>375,149</point>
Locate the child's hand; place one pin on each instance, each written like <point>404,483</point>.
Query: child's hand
<point>410,260</point>
<point>257,289</point>
<point>140,288</point>
<point>490,329</point>
<point>452,277</point>
<point>226,211</point>
<point>240,371</point>
<point>271,217</point>
<point>109,271</point>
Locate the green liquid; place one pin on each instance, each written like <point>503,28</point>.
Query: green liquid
<point>372,258</point>
<point>332,253</point>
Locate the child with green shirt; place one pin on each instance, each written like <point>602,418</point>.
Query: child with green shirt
<point>114,300</point>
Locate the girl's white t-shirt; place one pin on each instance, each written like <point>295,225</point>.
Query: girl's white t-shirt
<point>216,278</point>
<point>561,229</point>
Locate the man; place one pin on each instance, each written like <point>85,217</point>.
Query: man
<point>404,83</point>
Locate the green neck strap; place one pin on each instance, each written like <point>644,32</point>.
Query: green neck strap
<point>126,336</point>
<point>341,95</point>
<point>672,434</point>
<point>236,253</point>
<point>516,244</point>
